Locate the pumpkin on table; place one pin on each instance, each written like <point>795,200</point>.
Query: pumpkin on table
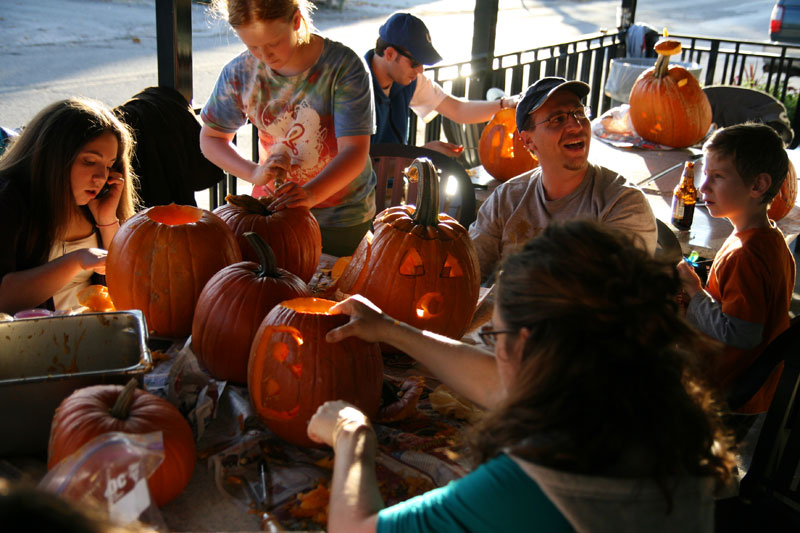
<point>786,197</point>
<point>233,304</point>
<point>160,260</point>
<point>292,233</point>
<point>92,411</point>
<point>293,369</point>
<point>501,150</point>
<point>667,104</point>
<point>419,266</point>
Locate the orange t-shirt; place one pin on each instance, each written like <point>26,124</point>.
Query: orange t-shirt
<point>753,279</point>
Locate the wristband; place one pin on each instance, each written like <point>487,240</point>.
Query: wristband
<point>116,221</point>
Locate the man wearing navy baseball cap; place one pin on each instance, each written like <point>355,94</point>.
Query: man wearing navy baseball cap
<point>554,125</point>
<point>403,48</point>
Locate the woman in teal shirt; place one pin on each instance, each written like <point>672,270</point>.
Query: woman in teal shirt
<point>595,420</point>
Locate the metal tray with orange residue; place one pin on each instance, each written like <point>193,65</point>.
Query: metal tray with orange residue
<point>43,360</point>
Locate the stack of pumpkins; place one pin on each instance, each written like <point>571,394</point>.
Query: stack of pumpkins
<point>255,322</point>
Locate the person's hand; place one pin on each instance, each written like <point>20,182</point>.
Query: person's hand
<point>104,208</point>
<point>366,320</point>
<point>448,149</point>
<point>332,419</point>
<point>290,194</point>
<point>690,281</point>
<point>92,259</point>
<point>509,102</point>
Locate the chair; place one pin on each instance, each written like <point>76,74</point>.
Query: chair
<point>668,247</point>
<point>734,105</point>
<point>769,494</point>
<point>389,161</point>
<point>468,136</point>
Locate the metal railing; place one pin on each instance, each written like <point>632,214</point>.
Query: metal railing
<point>761,65</point>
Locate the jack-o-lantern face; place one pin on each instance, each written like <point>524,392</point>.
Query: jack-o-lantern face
<point>420,266</point>
<point>293,369</point>
<point>501,150</point>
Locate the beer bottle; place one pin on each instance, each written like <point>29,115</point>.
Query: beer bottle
<point>684,199</point>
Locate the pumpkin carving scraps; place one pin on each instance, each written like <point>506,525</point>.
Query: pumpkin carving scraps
<point>293,370</point>
<point>420,266</point>
<point>292,233</point>
<point>160,260</point>
<point>668,106</point>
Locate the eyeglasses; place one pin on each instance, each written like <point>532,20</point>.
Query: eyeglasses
<point>414,63</point>
<point>489,336</point>
<point>558,120</point>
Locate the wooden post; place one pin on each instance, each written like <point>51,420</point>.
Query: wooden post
<point>174,45</point>
<point>484,30</point>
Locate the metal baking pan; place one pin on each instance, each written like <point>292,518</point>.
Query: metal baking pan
<point>43,360</point>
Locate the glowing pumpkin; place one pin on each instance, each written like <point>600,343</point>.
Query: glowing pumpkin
<point>160,260</point>
<point>501,150</point>
<point>293,369</point>
<point>420,266</point>
<point>668,106</point>
<point>786,197</point>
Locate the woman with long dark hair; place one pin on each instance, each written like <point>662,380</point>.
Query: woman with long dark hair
<point>597,420</point>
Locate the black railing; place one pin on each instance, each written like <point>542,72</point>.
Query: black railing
<point>761,65</point>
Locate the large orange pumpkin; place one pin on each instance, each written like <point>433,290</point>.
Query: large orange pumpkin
<point>292,233</point>
<point>92,411</point>
<point>668,106</point>
<point>160,260</point>
<point>233,304</point>
<point>501,150</point>
<point>420,266</point>
<point>293,369</point>
<point>786,197</point>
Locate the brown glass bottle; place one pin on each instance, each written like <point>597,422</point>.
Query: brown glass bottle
<point>684,199</point>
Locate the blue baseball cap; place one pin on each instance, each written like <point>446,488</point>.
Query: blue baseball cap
<point>538,93</point>
<point>410,33</point>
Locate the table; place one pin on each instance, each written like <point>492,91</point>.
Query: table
<point>637,165</point>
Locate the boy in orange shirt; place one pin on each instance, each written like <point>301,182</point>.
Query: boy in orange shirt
<point>745,304</point>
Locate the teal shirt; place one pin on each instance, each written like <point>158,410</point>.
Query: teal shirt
<point>496,496</point>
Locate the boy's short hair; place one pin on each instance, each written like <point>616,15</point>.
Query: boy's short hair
<point>754,148</point>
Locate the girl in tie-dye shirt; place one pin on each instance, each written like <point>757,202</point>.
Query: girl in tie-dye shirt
<point>311,100</point>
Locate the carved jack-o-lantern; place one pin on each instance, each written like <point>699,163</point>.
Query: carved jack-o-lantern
<point>787,195</point>
<point>501,150</point>
<point>420,266</point>
<point>293,370</point>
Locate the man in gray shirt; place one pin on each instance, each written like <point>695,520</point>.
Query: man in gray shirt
<point>555,127</point>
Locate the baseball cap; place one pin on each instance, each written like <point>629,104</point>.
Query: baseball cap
<point>538,93</point>
<point>410,33</point>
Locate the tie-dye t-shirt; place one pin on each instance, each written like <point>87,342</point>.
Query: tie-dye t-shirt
<point>302,116</point>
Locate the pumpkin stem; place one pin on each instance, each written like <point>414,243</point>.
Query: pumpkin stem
<point>122,406</point>
<point>246,202</point>
<point>266,256</point>
<point>427,210</point>
<point>662,66</point>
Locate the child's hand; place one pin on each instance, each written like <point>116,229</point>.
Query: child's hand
<point>104,208</point>
<point>92,259</point>
<point>690,281</point>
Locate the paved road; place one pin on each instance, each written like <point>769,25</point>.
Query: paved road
<point>106,49</point>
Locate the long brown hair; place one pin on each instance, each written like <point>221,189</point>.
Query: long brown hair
<point>243,12</point>
<point>607,371</point>
<point>40,160</point>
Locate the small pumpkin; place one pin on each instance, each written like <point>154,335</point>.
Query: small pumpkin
<point>160,260</point>
<point>786,197</point>
<point>292,233</point>
<point>667,104</point>
<point>420,266</point>
<point>92,411</point>
<point>233,304</point>
<point>501,150</point>
<point>293,369</point>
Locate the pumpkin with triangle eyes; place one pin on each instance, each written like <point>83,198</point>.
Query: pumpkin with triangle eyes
<point>420,266</point>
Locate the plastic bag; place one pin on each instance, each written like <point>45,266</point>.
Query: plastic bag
<point>110,472</point>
